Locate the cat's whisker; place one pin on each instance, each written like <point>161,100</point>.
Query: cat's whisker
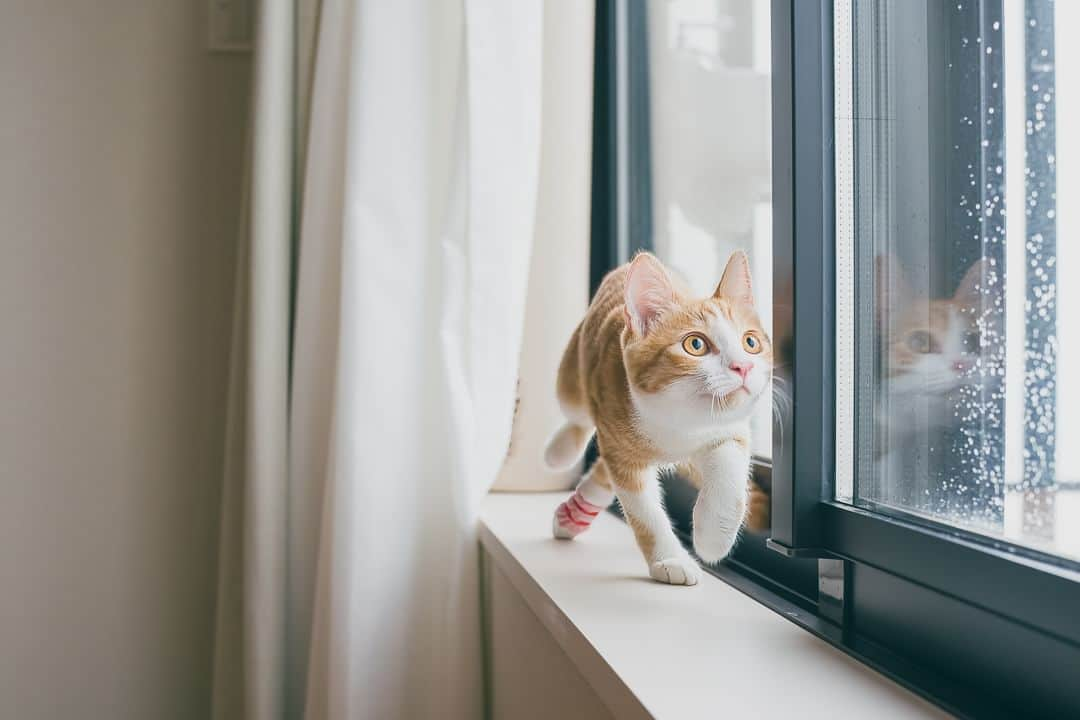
<point>778,423</point>
<point>781,394</point>
<point>781,406</point>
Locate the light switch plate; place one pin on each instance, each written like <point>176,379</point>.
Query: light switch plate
<point>230,25</point>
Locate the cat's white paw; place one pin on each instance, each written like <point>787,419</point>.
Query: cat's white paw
<point>713,541</point>
<point>559,531</point>
<point>676,571</point>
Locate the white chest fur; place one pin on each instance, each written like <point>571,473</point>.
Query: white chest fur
<point>679,421</point>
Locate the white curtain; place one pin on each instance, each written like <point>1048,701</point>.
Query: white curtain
<point>348,572</point>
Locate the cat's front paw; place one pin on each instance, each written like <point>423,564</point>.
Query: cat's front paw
<point>676,571</point>
<point>713,541</point>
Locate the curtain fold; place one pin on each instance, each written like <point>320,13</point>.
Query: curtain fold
<point>249,650</point>
<point>348,573</point>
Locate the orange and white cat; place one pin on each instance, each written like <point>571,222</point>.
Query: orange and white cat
<point>663,378</point>
<point>936,353</point>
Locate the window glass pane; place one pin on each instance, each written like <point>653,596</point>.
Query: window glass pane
<point>709,102</point>
<point>956,317</point>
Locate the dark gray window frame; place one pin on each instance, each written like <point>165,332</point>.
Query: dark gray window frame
<point>994,627</point>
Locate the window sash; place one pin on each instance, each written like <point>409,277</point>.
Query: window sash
<point>995,591</point>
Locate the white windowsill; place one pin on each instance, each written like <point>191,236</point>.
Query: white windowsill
<point>652,650</point>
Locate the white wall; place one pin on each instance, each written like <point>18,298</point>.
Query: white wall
<point>120,168</point>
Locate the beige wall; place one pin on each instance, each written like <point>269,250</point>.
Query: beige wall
<point>120,167</point>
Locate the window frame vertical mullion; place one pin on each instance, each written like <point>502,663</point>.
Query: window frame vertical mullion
<point>603,253</point>
<point>803,271</point>
<point>621,222</point>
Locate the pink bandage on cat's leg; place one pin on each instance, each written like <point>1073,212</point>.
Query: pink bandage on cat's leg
<point>576,514</point>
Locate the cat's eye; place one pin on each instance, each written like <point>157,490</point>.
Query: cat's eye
<point>751,343</point>
<point>695,345</point>
<point>920,342</point>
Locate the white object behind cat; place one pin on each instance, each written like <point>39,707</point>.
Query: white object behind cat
<point>559,271</point>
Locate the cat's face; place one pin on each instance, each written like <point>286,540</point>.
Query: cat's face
<point>933,347</point>
<point>710,358</point>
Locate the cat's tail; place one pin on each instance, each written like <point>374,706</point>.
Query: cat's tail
<point>567,446</point>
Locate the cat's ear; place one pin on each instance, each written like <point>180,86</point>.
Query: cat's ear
<point>648,293</point>
<point>735,283</point>
<point>976,289</point>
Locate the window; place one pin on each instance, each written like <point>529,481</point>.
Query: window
<point>916,206</point>
<point>950,355</point>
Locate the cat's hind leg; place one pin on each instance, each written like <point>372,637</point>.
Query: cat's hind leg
<point>593,494</point>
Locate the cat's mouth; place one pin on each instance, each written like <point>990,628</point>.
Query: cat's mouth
<point>743,392</point>
<point>726,395</point>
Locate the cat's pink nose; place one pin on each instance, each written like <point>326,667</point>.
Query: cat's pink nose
<point>742,368</point>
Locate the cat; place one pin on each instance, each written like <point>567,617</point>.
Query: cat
<point>935,353</point>
<point>663,379</point>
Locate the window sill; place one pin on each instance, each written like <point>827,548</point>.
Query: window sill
<point>650,650</point>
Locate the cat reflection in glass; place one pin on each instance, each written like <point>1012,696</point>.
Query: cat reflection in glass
<point>663,378</point>
<point>938,361</point>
